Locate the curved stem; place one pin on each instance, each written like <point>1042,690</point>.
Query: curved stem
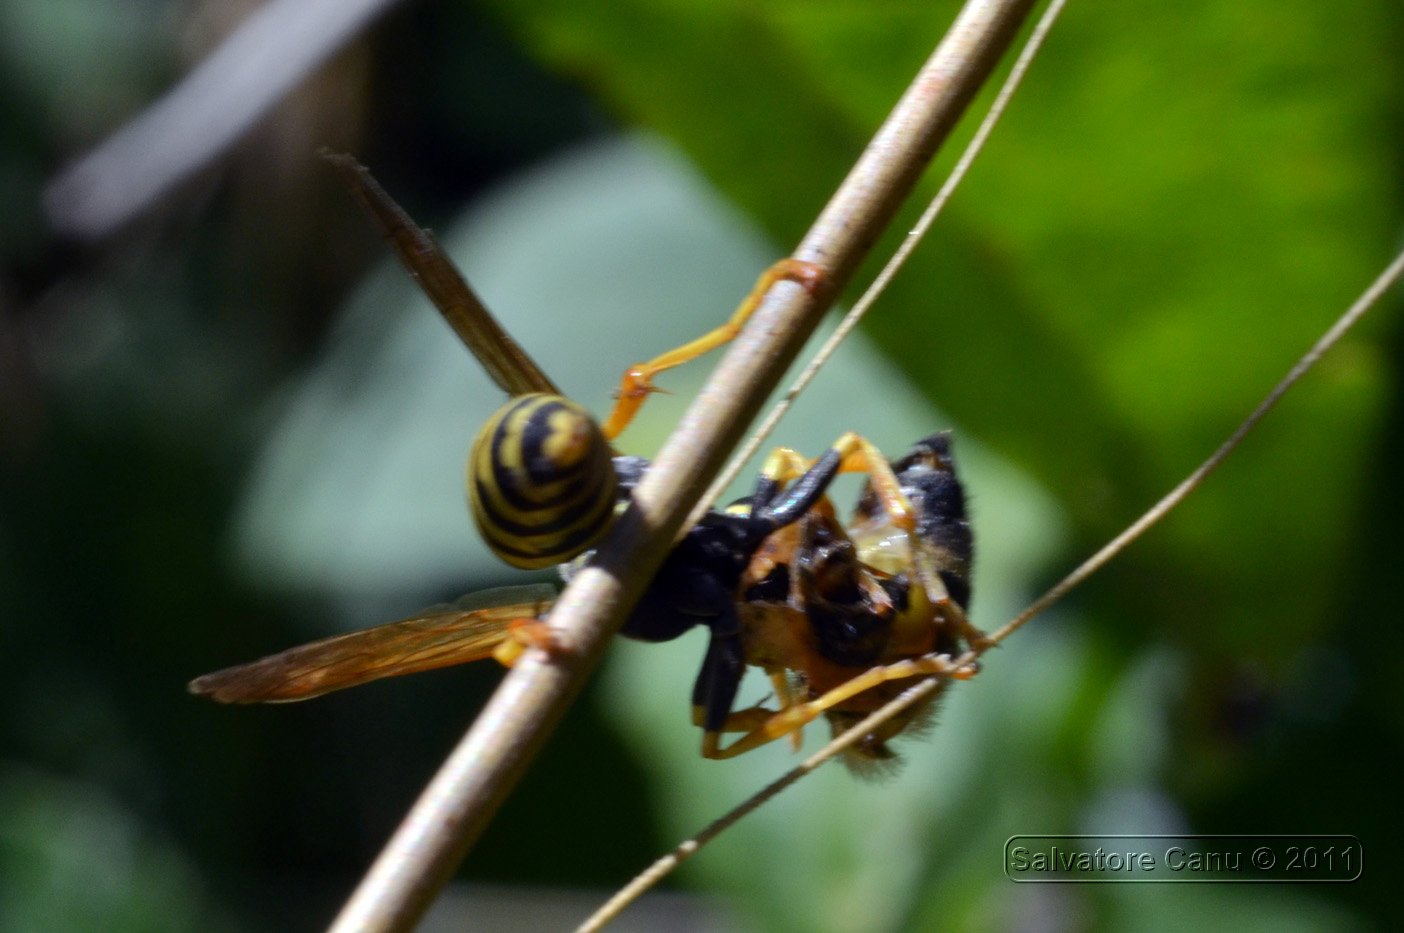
<point>1388,279</point>
<point>462,798</point>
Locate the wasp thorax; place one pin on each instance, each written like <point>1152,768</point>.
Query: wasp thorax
<point>541,481</point>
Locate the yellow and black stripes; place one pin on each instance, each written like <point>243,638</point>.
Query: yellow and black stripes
<point>541,481</point>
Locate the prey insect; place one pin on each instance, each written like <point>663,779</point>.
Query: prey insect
<point>841,617</point>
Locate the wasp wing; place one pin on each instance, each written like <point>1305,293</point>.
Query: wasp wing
<point>504,359</point>
<point>467,630</point>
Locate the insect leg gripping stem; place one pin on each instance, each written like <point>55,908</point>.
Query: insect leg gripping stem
<point>797,715</point>
<point>637,383</point>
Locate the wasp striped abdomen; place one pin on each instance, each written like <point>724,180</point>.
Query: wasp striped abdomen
<point>541,481</point>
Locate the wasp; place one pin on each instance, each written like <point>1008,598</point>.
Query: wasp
<point>840,616</point>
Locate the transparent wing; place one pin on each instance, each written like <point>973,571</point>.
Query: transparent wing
<point>467,630</point>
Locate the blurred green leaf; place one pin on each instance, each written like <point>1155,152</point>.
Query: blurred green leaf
<point>1178,204</point>
<point>71,859</point>
<point>355,482</point>
<point>1179,201</point>
<point>1166,220</point>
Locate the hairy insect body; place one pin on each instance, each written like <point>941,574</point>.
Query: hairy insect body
<point>822,603</point>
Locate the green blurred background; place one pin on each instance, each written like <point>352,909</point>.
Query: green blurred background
<point>230,426</point>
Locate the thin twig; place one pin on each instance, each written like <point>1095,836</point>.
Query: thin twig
<point>893,265</point>
<point>476,778</point>
<point>690,847</point>
<point>1174,497</point>
<point>665,865</point>
<point>935,684</point>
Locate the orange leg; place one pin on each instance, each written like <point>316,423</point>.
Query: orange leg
<point>860,456</point>
<point>785,694</point>
<point>784,465</point>
<point>752,719</point>
<point>935,592</point>
<point>740,720</point>
<point>794,717</point>
<point>637,383</point>
<point>857,455</point>
<point>522,634</point>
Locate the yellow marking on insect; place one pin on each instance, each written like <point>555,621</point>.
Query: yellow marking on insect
<point>541,481</point>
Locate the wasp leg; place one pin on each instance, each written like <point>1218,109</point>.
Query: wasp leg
<point>740,720</point>
<point>858,455</point>
<point>783,465</point>
<point>941,601</point>
<point>522,634</point>
<point>719,679</point>
<point>789,720</point>
<point>785,695</point>
<point>749,720</point>
<point>851,453</point>
<point>778,503</point>
<point>637,383</point>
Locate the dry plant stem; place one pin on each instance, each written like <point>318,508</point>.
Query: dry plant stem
<point>464,795</point>
<point>665,865</point>
<point>894,264</point>
<point>1386,280</point>
<point>685,850</point>
<point>932,685</point>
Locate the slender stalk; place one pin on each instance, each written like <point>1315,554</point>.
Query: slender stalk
<point>661,868</point>
<point>1388,279</point>
<point>894,264</point>
<point>476,778</point>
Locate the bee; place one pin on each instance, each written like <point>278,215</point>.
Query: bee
<point>841,617</point>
